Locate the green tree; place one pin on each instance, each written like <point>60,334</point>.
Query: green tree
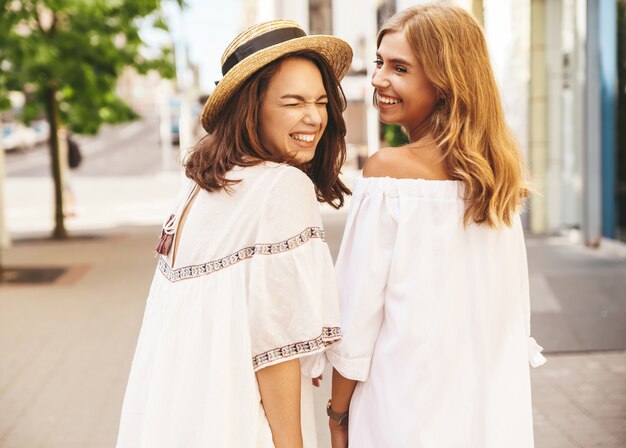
<point>66,56</point>
<point>394,135</point>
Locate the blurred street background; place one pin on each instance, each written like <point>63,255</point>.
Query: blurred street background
<point>76,244</point>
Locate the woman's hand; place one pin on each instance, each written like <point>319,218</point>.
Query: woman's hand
<point>338,434</point>
<point>317,381</point>
<point>342,390</point>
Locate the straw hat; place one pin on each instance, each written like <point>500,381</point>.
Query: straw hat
<point>261,44</point>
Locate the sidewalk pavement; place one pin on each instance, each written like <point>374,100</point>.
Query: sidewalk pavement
<point>67,348</point>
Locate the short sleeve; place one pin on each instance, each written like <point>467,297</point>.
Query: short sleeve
<point>292,302</point>
<point>362,270</point>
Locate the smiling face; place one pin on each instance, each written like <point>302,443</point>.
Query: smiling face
<point>403,92</point>
<point>293,111</point>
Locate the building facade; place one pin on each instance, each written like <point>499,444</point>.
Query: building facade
<point>556,64</point>
<point>573,147</point>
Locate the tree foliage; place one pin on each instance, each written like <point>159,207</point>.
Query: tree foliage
<point>66,56</point>
<point>79,48</point>
<point>394,135</point>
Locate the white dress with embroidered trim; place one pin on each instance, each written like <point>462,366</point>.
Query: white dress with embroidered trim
<point>435,321</point>
<point>253,285</point>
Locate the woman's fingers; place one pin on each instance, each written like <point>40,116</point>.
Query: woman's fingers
<point>317,381</point>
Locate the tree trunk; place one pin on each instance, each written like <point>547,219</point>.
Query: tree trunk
<point>53,120</point>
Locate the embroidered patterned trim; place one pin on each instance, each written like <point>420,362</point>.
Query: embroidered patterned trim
<point>329,336</point>
<point>174,275</point>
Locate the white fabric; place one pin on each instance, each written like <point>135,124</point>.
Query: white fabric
<point>267,295</point>
<point>435,321</point>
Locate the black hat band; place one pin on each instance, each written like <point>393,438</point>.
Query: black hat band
<point>259,43</point>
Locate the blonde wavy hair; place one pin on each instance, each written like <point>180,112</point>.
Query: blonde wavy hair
<point>468,122</point>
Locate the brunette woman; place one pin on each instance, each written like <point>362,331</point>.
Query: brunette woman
<point>243,302</point>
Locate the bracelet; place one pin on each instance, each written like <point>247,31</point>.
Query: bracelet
<point>340,417</point>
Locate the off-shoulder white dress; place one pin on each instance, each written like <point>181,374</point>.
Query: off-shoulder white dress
<point>435,321</point>
<point>252,285</point>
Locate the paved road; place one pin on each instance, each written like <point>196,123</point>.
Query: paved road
<point>66,353</point>
<point>131,149</point>
<point>66,349</point>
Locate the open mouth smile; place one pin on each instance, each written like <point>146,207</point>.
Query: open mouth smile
<point>306,138</point>
<point>387,100</point>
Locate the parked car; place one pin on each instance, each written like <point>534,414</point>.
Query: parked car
<point>174,107</point>
<point>42,131</point>
<point>9,137</point>
<point>28,136</point>
<point>18,136</point>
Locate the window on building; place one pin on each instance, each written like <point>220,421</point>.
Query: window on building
<point>321,16</point>
<point>386,8</point>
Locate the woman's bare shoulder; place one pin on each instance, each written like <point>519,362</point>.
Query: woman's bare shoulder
<point>404,162</point>
<point>387,162</point>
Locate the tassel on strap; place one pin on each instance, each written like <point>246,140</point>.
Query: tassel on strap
<point>167,237</point>
<point>169,227</point>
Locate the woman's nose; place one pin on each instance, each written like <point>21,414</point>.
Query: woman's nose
<point>313,115</point>
<point>379,79</point>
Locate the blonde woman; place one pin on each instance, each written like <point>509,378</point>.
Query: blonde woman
<point>432,270</point>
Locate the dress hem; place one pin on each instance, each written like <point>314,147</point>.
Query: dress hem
<point>329,336</point>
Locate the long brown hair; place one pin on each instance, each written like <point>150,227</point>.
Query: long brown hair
<point>235,140</point>
<point>468,122</point>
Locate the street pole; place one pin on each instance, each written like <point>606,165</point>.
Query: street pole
<point>592,194</point>
<point>5,240</point>
<point>373,122</point>
<point>165,125</point>
<point>607,41</point>
<point>4,235</point>
<point>183,75</point>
